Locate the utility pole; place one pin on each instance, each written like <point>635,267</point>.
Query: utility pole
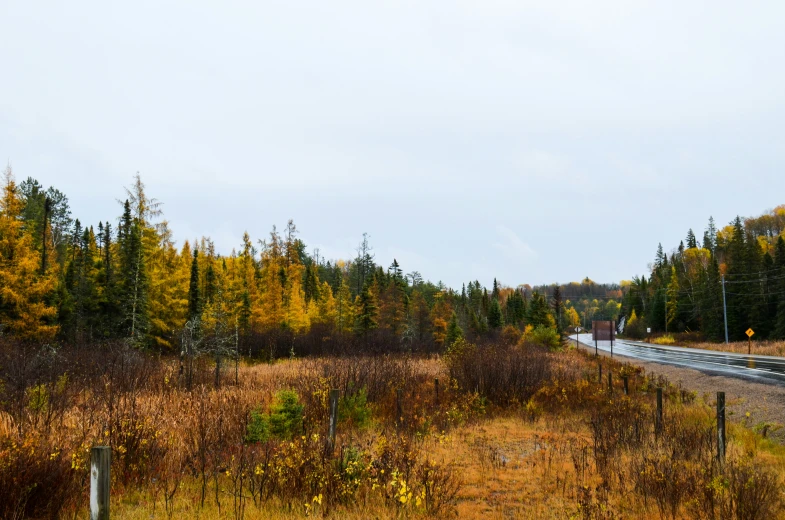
<point>724,309</point>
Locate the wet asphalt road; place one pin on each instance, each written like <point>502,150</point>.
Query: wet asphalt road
<point>762,369</point>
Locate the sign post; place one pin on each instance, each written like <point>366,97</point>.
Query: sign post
<point>749,333</point>
<point>648,333</point>
<point>577,334</point>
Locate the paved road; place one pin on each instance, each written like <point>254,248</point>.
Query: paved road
<point>764,369</point>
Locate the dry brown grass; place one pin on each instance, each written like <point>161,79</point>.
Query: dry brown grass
<point>569,450</point>
<point>762,348</point>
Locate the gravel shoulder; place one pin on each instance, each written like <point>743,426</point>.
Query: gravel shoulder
<point>764,402</point>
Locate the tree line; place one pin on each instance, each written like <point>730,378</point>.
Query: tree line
<point>63,280</point>
<point>684,291</point>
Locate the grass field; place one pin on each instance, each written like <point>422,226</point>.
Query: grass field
<point>516,431</point>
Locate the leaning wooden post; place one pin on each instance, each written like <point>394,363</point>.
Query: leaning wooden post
<point>100,462</point>
<point>721,426</point>
<point>333,421</point>
<point>399,407</point>
<point>599,377</point>
<point>626,385</point>
<point>436,390</point>
<point>658,418</point>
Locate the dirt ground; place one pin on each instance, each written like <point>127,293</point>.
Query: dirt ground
<point>765,403</point>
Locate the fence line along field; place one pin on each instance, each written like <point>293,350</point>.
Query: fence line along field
<point>517,429</point>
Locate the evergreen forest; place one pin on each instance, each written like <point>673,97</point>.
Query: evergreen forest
<point>744,260</point>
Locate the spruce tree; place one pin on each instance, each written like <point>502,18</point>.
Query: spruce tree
<point>779,267</point>
<point>737,269</point>
<point>134,281</point>
<point>711,235</point>
<point>692,243</point>
<point>672,307</point>
<point>712,320</point>
<point>194,296</point>
<point>495,318</point>
<point>556,302</point>
<point>454,330</point>
<point>367,312</point>
<point>539,312</point>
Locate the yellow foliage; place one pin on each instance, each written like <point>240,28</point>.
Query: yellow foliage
<point>23,288</point>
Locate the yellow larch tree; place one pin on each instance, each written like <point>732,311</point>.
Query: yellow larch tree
<point>296,314</point>
<point>24,289</point>
<point>345,311</point>
<point>323,310</point>
<point>271,313</point>
<point>168,294</point>
<point>440,315</point>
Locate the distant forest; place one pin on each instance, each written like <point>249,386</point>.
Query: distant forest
<point>124,279</point>
<point>684,292</point>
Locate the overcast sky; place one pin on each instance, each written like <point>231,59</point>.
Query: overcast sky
<point>529,141</point>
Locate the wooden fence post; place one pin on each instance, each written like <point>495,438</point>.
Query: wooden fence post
<point>658,418</point>
<point>599,377</point>
<point>100,462</point>
<point>436,390</point>
<point>399,407</point>
<point>626,385</point>
<point>333,421</point>
<point>610,382</point>
<point>721,426</point>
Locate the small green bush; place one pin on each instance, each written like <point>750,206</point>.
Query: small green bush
<point>354,408</point>
<point>285,417</point>
<point>545,336</point>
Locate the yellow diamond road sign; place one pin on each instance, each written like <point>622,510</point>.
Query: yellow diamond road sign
<point>750,332</point>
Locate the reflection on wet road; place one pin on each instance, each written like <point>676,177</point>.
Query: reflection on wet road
<point>764,369</point>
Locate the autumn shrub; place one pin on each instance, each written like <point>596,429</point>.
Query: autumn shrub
<point>665,339</point>
<point>543,336</point>
<point>740,488</point>
<point>37,480</point>
<point>635,327</point>
<point>504,374</point>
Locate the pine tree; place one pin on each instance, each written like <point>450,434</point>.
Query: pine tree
<point>495,318</point>
<point>454,330</point>
<point>194,296</point>
<point>711,319</point>
<point>367,312</point>
<point>737,269</point>
<point>692,242</point>
<point>672,307</point>
<point>779,266</point>
<point>556,302</point>
<point>539,312</point>
<point>134,284</point>
<point>660,259</point>
<point>710,242</point>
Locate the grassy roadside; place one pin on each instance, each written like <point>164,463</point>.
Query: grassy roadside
<point>763,348</point>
